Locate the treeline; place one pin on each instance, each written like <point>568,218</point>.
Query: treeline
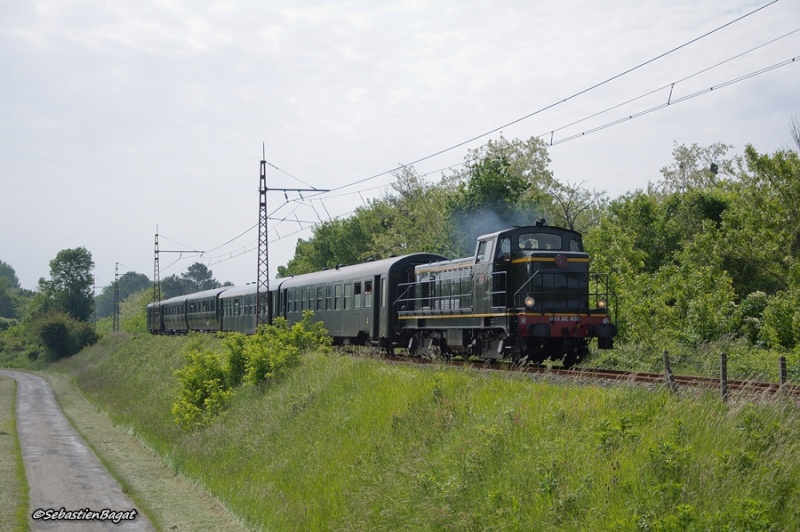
<point>63,315</point>
<point>708,253</point>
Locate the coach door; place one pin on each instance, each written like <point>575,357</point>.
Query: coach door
<point>378,310</point>
<point>482,277</point>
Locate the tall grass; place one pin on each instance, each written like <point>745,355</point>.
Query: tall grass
<point>354,443</point>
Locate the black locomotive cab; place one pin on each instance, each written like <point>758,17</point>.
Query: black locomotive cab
<point>525,293</point>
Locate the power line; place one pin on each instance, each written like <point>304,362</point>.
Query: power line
<point>573,96</point>
<point>677,100</point>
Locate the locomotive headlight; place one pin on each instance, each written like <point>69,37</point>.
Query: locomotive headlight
<point>529,302</point>
<point>601,304</point>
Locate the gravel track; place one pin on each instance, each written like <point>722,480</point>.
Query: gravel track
<point>62,470</point>
<point>58,476</point>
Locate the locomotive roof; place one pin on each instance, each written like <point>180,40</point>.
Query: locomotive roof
<point>539,228</point>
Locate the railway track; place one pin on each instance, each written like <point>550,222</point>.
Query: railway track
<point>743,386</point>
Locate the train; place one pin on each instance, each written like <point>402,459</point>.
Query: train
<point>525,295</point>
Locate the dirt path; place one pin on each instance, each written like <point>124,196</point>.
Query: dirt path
<point>171,501</point>
<point>62,471</point>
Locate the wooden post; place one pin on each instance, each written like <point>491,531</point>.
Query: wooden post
<point>668,372</point>
<point>723,376</point>
<point>783,370</point>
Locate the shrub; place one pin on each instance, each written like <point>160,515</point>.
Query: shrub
<point>63,336</point>
<point>203,394</point>
<point>208,379</point>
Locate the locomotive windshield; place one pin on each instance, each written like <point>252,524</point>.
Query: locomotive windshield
<point>537,241</point>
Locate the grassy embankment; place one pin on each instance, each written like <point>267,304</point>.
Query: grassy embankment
<point>356,443</point>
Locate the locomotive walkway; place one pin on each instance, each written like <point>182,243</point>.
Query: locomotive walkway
<point>62,470</point>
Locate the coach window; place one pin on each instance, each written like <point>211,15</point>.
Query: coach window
<point>290,301</point>
<point>382,302</point>
<point>348,293</point>
<point>329,297</point>
<point>303,298</point>
<point>367,294</point>
<point>357,294</point>
<point>337,302</point>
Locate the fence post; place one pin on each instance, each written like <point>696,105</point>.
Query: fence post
<point>784,375</point>
<point>723,376</point>
<point>668,372</point>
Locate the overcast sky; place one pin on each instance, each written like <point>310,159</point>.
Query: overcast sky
<point>117,117</point>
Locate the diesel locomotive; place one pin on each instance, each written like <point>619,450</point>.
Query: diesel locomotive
<point>525,295</point>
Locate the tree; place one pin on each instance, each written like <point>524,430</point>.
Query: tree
<point>196,278</point>
<point>492,198</point>
<point>575,207</point>
<point>71,286</point>
<point>6,271</point>
<point>696,167</point>
<point>199,277</point>
<point>343,241</point>
<point>129,283</point>
<point>412,218</point>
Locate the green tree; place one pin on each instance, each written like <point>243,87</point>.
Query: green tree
<point>342,241</point>
<point>71,286</point>
<point>574,207</point>
<point>492,198</point>
<point>199,277</point>
<point>412,217</point>
<point>7,272</point>
<point>9,290</point>
<point>696,167</point>
<point>173,286</point>
<point>129,283</point>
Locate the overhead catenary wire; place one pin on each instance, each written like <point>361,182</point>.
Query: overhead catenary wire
<point>305,201</point>
<point>564,100</point>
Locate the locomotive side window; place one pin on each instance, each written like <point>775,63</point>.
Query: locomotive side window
<point>481,251</point>
<point>504,249</point>
<point>357,295</point>
<point>367,294</point>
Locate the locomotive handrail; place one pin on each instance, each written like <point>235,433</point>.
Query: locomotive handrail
<point>458,301</point>
<point>602,291</point>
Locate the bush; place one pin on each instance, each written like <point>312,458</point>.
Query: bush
<point>62,336</point>
<point>208,379</point>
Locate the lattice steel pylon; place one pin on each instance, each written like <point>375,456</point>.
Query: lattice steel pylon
<point>156,317</point>
<point>263,301</point>
<point>263,305</point>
